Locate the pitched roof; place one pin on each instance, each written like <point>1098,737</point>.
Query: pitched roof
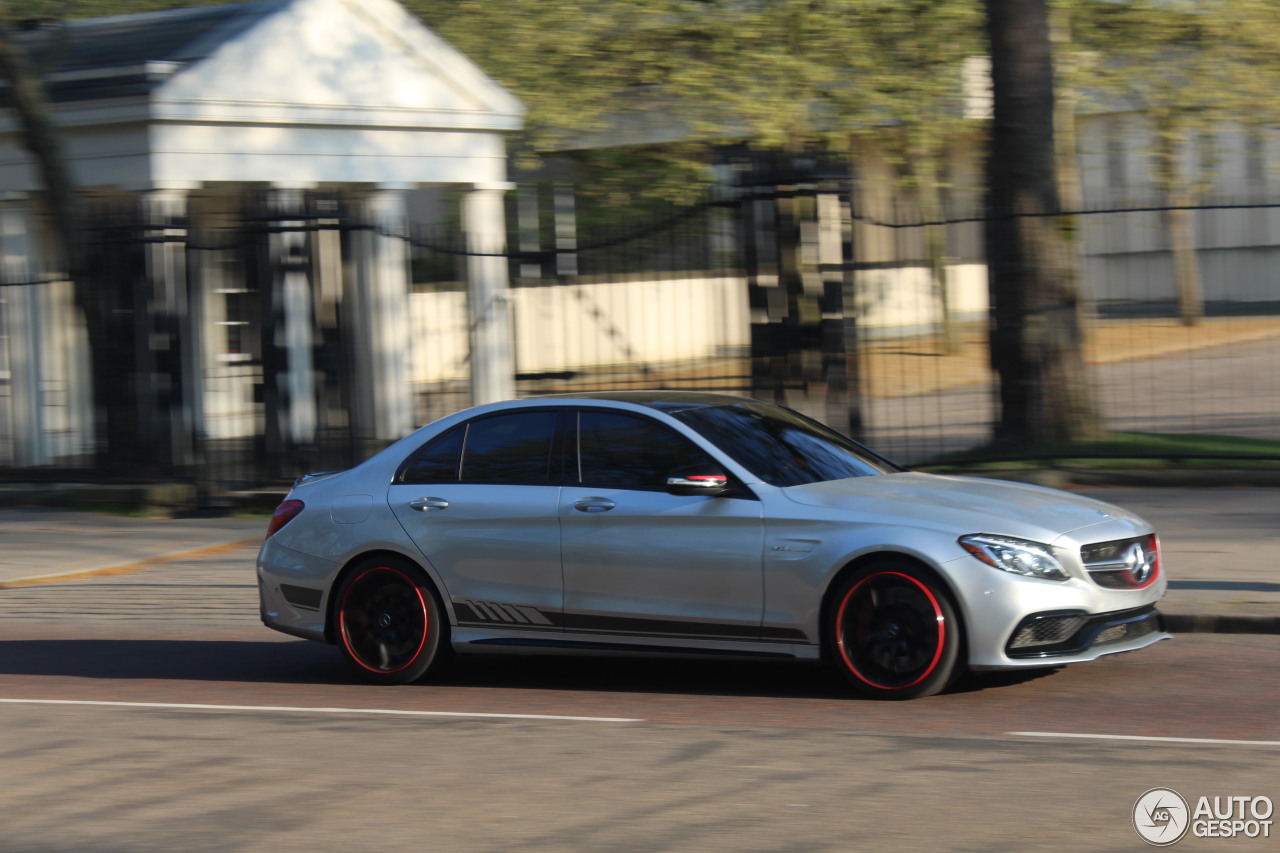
<point>366,54</point>
<point>110,57</point>
<point>175,35</point>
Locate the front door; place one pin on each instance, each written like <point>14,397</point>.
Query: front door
<point>640,561</point>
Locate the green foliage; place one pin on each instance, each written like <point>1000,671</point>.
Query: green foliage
<point>1187,66</point>
<point>783,74</point>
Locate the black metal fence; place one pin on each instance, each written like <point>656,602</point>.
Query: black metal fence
<point>790,292</point>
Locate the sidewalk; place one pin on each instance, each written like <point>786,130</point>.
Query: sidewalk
<point>42,545</point>
<point>1221,549</point>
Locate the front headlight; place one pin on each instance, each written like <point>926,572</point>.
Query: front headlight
<point>1020,556</point>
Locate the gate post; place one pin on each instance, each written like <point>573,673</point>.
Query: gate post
<point>169,351</point>
<point>801,290</point>
<point>840,357</point>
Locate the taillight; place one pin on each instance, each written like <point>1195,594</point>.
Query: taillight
<point>284,514</point>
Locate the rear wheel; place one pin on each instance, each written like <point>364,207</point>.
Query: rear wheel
<point>390,626</point>
<point>892,631</point>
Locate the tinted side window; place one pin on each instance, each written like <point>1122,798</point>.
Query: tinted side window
<point>436,461</point>
<point>627,452</point>
<point>782,447</point>
<point>513,449</point>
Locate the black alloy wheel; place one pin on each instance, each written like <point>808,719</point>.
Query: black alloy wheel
<point>892,631</point>
<point>390,625</point>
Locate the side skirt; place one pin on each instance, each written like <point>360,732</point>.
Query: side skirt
<point>482,640</point>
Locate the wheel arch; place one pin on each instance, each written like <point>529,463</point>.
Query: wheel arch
<point>331,603</point>
<point>838,578</point>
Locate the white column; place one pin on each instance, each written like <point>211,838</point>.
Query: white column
<point>492,359</point>
<point>296,384</point>
<point>23,326</point>
<point>383,408</point>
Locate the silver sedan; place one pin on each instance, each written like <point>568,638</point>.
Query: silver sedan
<point>683,523</point>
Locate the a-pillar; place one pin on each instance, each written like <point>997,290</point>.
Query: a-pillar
<point>382,410</point>
<point>169,388</point>
<point>492,354</point>
<point>23,326</point>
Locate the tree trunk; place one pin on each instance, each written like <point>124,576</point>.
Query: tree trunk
<point>27,98</point>
<point>1180,220</point>
<point>935,247</point>
<point>1037,334</point>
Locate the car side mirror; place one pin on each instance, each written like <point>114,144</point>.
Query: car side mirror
<point>699,480</point>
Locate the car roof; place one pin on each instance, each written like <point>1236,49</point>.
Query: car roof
<point>664,401</point>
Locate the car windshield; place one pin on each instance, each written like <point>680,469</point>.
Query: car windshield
<point>782,447</point>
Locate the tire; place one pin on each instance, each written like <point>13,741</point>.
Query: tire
<point>389,622</point>
<point>891,630</point>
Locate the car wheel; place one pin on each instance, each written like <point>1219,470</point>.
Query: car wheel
<point>389,623</point>
<point>892,631</point>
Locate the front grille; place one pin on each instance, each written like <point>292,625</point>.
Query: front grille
<point>1131,563</point>
<point>1060,633</point>
<point>1108,552</point>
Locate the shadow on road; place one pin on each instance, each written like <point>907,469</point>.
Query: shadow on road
<point>187,660</point>
<point>275,662</point>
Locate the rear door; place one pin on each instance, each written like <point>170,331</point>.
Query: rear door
<point>481,503</point>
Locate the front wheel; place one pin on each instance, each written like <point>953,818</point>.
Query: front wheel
<point>892,631</point>
<point>390,626</point>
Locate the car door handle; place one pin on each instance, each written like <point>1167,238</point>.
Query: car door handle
<point>594,505</point>
<point>428,504</point>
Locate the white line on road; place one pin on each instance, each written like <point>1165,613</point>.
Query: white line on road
<point>1146,738</point>
<point>301,710</point>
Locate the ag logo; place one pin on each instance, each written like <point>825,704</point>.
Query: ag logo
<point>1161,817</point>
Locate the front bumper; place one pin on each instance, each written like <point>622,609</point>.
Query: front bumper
<point>1058,634</point>
<point>1013,622</point>
<point>1085,637</point>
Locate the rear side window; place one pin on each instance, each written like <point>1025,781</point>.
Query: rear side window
<point>437,461</point>
<point>623,451</point>
<point>511,449</point>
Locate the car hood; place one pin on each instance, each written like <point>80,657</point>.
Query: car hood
<point>968,505</point>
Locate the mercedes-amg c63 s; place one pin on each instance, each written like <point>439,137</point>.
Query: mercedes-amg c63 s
<point>684,523</point>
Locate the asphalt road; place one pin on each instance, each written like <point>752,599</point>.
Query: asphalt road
<point>229,737</point>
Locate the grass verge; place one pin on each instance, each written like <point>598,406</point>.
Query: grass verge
<point>1119,450</point>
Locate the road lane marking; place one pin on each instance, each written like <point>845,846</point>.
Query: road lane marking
<point>1149,738</point>
<point>301,710</point>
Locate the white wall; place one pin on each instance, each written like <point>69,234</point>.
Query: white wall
<point>592,326</point>
<point>1127,254</point>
